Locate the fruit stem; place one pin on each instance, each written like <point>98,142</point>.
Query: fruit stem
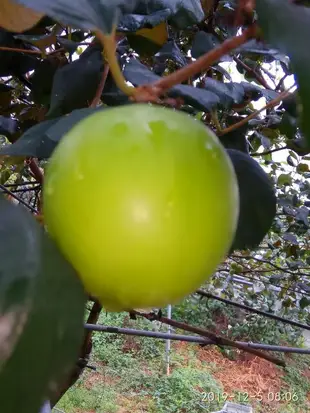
<point>108,43</point>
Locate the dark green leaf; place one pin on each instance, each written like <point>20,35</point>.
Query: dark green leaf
<point>84,14</point>
<point>290,238</point>
<point>112,95</point>
<point>253,92</point>
<point>198,98</point>
<point>290,104</point>
<point>8,126</point>
<point>32,143</point>
<point>182,13</point>
<point>302,215</point>
<point>236,139</point>
<point>224,72</point>
<point>255,47</point>
<point>225,17</point>
<point>171,51</point>
<point>288,126</point>
<point>67,44</point>
<point>75,85</point>
<point>257,206</point>
<point>41,140</point>
<point>42,81</point>
<point>204,42</point>
<point>42,306</point>
<point>142,45</point>
<point>14,62</point>
<point>130,23</point>
<point>286,26</point>
<point>302,167</point>
<point>90,15</point>
<point>291,161</point>
<point>6,93</point>
<point>228,93</point>
<point>269,94</point>
<point>299,145</point>
<point>284,179</point>
<point>139,74</point>
<point>264,140</point>
<point>304,302</point>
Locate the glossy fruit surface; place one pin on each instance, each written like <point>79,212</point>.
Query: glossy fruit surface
<point>143,201</point>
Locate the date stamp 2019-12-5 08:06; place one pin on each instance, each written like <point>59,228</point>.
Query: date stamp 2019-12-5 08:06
<point>245,397</point>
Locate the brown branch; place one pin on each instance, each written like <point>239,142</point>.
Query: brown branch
<point>14,49</point>
<point>38,175</point>
<point>30,51</point>
<point>83,360</point>
<point>217,339</point>
<point>100,88</point>
<point>92,319</point>
<point>34,167</point>
<point>203,62</point>
<point>269,105</point>
<point>251,71</point>
<point>60,50</point>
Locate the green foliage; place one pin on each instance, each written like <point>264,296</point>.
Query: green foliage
<point>297,379</point>
<point>185,389</point>
<point>234,323</point>
<point>100,399</point>
<point>120,352</point>
<point>89,15</point>
<point>254,327</point>
<point>41,139</point>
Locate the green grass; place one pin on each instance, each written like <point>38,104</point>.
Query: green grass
<point>100,399</point>
<point>131,377</point>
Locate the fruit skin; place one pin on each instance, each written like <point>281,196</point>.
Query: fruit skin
<point>143,201</point>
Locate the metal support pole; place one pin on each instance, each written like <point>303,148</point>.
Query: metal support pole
<point>168,343</point>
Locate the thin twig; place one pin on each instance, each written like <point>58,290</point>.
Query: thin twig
<point>34,188</point>
<point>30,51</point>
<point>22,183</point>
<point>251,71</point>
<point>268,152</point>
<point>7,191</point>
<point>253,310</point>
<point>100,88</point>
<point>14,49</point>
<point>269,105</point>
<point>277,267</point>
<point>217,339</point>
<point>279,85</point>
